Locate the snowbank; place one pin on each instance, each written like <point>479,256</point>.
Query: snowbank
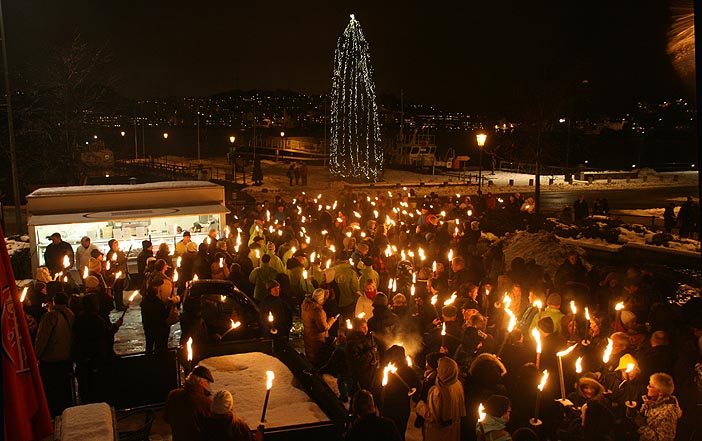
<point>545,248</point>
<point>89,422</point>
<point>244,375</point>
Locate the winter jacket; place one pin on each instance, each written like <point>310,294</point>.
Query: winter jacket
<point>316,328</point>
<point>445,405</point>
<point>225,427</point>
<point>555,314</point>
<point>261,277</point>
<point>371,427</point>
<point>53,341</point>
<point>364,305</point>
<point>362,357</point>
<point>493,429</point>
<point>185,411</point>
<point>383,321</point>
<point>345,277</point>
<point>661,419</point>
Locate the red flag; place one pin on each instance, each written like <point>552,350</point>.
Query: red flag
<point>25,410</point>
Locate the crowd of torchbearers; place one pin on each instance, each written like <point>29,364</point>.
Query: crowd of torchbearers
<point>399,298</point>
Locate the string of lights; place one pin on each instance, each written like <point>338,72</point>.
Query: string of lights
<point>355,151</point>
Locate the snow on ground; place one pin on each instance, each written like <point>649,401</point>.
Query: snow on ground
<point>321,181</point>
<point>16,244</point>
<point>543,247</point>
<point>87,423</point>
<point>244,375</point>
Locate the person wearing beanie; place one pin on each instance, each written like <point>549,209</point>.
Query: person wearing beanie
<point>261,277</point>
<point>280,309</point>
<point>181,246</point>
<point>316,326</point>
<point>497,412</point>
<point>384,321</point>
<point>147,250</point>
<point>445,405</point>
<point>589,414</point>
<point>361,353</point>
<point>187,407</point>
<point>364,304</point>
<point>552,310</point>
<point>223,424</point>
<point>275,262</point>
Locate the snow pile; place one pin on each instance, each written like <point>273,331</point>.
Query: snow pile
<point>543,247</point>
<point>89,422</point>
<point>16,244</point>
<point>244,375</point>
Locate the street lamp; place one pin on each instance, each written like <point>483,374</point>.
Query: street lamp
<point>282,144</point>
<point>480,137</point>
<point>122,133</point>
<point>165,135</point>
<point>232,139</point>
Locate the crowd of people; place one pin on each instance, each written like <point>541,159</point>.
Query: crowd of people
<point>401,301</point>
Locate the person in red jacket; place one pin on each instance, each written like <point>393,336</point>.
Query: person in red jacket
<point>187,407</point>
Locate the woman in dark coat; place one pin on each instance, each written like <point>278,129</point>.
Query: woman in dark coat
<point>153,317</point>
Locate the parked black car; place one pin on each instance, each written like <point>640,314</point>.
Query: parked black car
<point>219,305</point>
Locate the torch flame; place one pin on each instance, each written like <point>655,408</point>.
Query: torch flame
<point>221,262</point>
<point>572,307</point>
<point>630,367</point>
<point>86,272</point>
<point>270,316</point>
<point>179,261</point>
<point>412,290</point>
<point>312,256</point>
<point>24,294</point>
<point>361,315</point>
<point>537,337</point>
<point>619,306</point>
<point>507,300</point>
<point>579,365</point>
<point>114,257</point>
<point>234,324</point>
<point>434,298</point>
<point>388,369</point>
<point>390,284</point>
<point>450,300</point>
<point>512,320</point>
<point>544,378</point>
<point>450,255</point>
<point>443,328</point>
<point>433,266</point>
<point>195,278</point>
<point>538,303</point>
<point>409,360</point>
<point>189,347</point>
<point>269,379</point>
<point>175,276</point>
<point>608,351</point>
<point>481,413</point>
<point>107,266</point>
<point>349,325</point>
<point>133,296</point>
<point>587,314</point>
<point>328,263</point>
<point>567,351</point>
<point>65,279</point>
<point>118,275</point>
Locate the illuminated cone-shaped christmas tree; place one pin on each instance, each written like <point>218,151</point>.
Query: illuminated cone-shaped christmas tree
<point>355,150</point>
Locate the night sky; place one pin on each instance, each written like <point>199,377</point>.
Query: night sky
<point>460,55</point>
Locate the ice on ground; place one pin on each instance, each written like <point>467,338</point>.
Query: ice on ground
<point>244,375</point>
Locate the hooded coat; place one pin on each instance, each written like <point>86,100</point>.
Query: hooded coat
<point>316,329</point>
<point>445,405</point>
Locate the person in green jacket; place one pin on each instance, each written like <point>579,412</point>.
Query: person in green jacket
<point>276,263</point>
<point>365,267</point>
<point>553,310</point>
<point>261,277</point>
<point>346,278</point>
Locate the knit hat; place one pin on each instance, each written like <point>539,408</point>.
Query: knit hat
<point>497,405</point>
<point>449,311</point>
<point>145,244</point>
<point>380,299</point>
<point>329,274</point>
<point>91,282</point>
<point>191,247</point>
<point>546,325</point>
<point>222,402</point>
<point>43,274</point>
<point>554,300</point>
<point>94,265</point>
<point>318,295</point>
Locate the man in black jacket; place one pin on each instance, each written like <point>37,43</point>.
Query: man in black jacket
<point>369,426</point>
<point>55,253</point>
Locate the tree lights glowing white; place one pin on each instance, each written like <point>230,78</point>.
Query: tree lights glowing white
<point>355,150</point>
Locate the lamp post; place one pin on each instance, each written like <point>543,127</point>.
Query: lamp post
<point>480,137</point>
<point>282,144</point>
<point>232,159</point>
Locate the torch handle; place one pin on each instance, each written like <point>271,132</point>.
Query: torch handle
<point>265,406</point>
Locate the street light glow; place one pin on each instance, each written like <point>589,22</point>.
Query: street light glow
<point>165,135</point>
<point>481,137</point>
